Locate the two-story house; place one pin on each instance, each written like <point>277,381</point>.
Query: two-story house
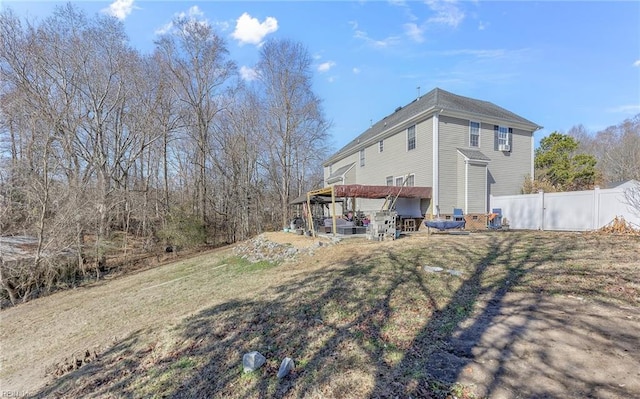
<point>464,149</point>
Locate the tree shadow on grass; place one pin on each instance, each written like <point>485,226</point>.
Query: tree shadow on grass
<point>373,325</point>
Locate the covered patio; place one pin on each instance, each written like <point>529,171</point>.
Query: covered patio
<point>390,195</point>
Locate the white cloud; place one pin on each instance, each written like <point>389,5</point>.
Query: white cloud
<point>166,28</point>
<point>325,66</point>
<point>637,63</point>
<point>387,42</point>
<point>626,109</point>
<point>250,30</point>
<point>119,9</point>
<point>482,25</point>
<point>479,53</point>
<point>193,15</point>
<point>194,12</point>
<point>446,12</point>
<point>415,32</point>
<point>248,74</point>
<point>356,70</point>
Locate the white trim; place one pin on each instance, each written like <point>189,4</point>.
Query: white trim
<point>466,186</point>
<point>435,201</point>
<point>395,181</point>
<point>533,154</point>
<point>486,188</point>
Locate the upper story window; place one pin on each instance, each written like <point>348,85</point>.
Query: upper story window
<point>389,180</point>
<point>381,146</point>
<point>503,135</point>
<point>411,138</point>
<point>362,157</point>
<point>410,181</point>
<point>399,181</point>
<point>474,134</point>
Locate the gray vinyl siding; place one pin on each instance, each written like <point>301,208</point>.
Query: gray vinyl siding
<point>509,169</point>
<point>452,133</point>
<point>396,161</point>
<point>461,183</point>
<point>477,188</point>
<point>506,170</point>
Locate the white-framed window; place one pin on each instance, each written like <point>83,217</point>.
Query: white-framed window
<point>362,157</point>
<point>474,134</point>
<point>381,146</point>
<point>389,180</point>
<point>503,135</point>
<point>399,181</point>
<point>411,138</point>
<point>411,179</point>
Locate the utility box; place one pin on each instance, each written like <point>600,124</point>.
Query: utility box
<point>382,226</point>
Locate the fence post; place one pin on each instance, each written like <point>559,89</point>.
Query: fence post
<point>541,207</point>
<point>596,207</point>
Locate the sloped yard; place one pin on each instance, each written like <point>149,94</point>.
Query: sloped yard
<point>512,314</point>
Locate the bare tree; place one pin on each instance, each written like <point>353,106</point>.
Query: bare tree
<point>293,116</point>
<point>632,197</point>
<point>197,59</point>
<point>617,149</point>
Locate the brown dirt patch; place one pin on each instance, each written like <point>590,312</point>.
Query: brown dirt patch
<point>293,239</point>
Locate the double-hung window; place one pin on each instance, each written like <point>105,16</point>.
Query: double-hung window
<point>399,181</point>
<point>474,134</point>
<point>389,180</point>
<point>362,157</point>
<point>411,138</point>
<point>503,135</point>
<point>411,180</point>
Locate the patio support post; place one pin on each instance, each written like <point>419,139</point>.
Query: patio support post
<point>333,210</point>
<point>310,215</point>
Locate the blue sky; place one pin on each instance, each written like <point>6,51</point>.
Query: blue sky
<point>557,64</point>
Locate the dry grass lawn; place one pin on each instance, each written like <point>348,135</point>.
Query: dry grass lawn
<point>360,319</point>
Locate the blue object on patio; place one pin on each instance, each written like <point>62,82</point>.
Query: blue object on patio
<point>458,215</point>
<point>495,219</point>
<point>443,225</point>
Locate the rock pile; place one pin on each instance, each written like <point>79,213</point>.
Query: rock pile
<point>261,249</point>
<point>73,363</point>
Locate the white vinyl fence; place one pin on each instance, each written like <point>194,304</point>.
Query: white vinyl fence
<point>567,211</point>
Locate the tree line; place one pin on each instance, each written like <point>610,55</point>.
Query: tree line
<point>97,138</point>
<point>580,160</point>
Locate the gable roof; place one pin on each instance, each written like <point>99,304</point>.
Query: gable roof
<point>436,99</point>
<point>339,173</point>
<point>474,155</point>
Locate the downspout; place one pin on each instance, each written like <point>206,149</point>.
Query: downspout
<point>466,185</point>
<point>435,200</point>
<point>533,144</point>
